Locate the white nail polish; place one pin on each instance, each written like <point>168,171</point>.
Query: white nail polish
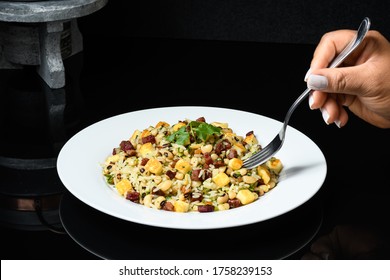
<point>307,74</point>
<point>311,101</point>
<point>338,123</point>
<point>325,115</point>
<point>317,82</point>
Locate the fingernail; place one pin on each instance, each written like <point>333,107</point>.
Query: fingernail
<point>338,123</point>
<point>307,74</point>
<point>311,101</point>
<point>325,115</point>
<point>317,82</point>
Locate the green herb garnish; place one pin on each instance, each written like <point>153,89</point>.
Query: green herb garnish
<point>200,131</point>
<point>109,178</point>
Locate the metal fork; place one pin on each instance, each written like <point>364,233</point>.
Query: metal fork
<point>274,146</point>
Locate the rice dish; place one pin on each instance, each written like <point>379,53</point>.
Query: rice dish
<point>189,166</point>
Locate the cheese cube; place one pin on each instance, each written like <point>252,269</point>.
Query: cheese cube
<point>264,174</point>
<point>246,196</point>
<point>154,166</point>
<point>183,166</point>
<point>161,123</point>
<point>177,126</point>
<point>181,206</point>
<point>123,186</point>
<point>147,149</point>
<point>275,165</point>
<point>235,163</point>
<point>250,139</point>
<point>221,179</point>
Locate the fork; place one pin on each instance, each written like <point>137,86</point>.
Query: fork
<point>274,146</point>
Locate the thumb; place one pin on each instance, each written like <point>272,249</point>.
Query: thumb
<point>337,80</point>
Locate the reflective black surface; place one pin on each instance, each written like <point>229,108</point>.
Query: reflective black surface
<point>114,238</point>
<point>115,75</point>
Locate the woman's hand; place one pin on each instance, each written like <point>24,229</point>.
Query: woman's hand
<point>361,83</point>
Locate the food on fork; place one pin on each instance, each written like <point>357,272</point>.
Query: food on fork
<point>191,166</point>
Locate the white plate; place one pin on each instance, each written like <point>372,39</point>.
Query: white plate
<point>80,171</point>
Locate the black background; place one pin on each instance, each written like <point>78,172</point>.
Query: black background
<point>246,55</point>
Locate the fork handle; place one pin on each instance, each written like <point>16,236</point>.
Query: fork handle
<point>291,110</point>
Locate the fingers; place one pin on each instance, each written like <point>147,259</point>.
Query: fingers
<point>331,107</point>
<point>333,89</point>
<point>343,117</point>
<point>317,99</point>
<point>360,83</point>
<point>329,46</point>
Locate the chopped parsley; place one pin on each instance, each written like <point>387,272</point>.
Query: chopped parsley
<point>200,131</point>
<point>110,179</point>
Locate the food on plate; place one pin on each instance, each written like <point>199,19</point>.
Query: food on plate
<point>189,166</point>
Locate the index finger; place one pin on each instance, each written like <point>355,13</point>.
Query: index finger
<point>331,44</point>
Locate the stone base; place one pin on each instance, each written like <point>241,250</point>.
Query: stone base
<point>42,33</point>
<point>45,45</point>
